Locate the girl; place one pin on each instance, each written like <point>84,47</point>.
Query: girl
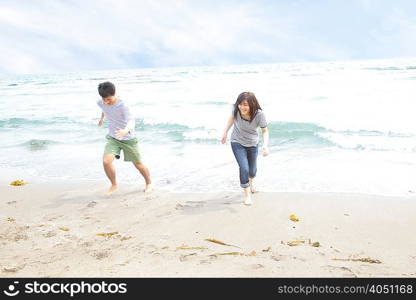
<point>247,117</point>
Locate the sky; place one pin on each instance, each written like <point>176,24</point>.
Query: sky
<point>46,36</point>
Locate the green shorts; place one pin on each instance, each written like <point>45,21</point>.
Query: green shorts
<point>129,147</point>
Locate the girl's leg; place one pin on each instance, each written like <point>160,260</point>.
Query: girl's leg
<point>240,154</point>
<point>247,196</point>
<point>253,188</point>
<point>252,153</point>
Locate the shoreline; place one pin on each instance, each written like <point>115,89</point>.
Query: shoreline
<point>51,231</point>
<point>17,174</point>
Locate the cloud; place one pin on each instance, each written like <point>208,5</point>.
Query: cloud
<point>55,36</point>
<point>396,33</point>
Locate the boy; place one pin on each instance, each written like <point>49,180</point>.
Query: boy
<point>120,135</point>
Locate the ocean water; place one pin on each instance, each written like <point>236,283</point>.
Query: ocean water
<point>334,126</point>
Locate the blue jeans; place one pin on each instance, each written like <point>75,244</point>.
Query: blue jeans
<point>247,161</point>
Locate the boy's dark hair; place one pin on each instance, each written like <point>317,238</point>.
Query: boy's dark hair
<point>106,89</point>
<point>252,103</point>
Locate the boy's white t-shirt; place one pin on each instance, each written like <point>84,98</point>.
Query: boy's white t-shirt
<point>118,117</point>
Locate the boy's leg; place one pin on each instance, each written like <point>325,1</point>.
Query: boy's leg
<point>131,153</point>
<point>146,175</point>
<point>110,151</point>
<point>110,171</point>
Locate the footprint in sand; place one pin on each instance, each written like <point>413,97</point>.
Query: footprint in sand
<point>187,257</point>
<point>71,237</point>
<point>190,205</point>
<point>92,204</point>
<point>53,218</point>
<point>150,198</point>
<point>277,257</point>
<point>86,244</point>
<point>101,254</point>
<point>15,234</point>
<point>257,266</point>
<point>50,234</point>
<point>299,258</point>
<point>12,269</point>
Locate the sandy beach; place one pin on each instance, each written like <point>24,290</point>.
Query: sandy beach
<point>70,229</point>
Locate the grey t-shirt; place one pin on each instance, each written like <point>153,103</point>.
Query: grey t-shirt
<point>118,116</point>
<point>246,132</point>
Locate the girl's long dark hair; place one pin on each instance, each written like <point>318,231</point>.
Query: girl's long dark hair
<point>252,103</point>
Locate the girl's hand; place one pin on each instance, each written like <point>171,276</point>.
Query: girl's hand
<point>100,123</point>
<point>265,151</point>
<point>224,139</point>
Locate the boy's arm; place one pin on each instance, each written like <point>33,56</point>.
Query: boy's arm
<point>100,123</point>
<point>129,126</point>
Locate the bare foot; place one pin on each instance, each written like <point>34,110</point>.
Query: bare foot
<point>112,189</point>
<point>148,188</point>
<point>247,199</point>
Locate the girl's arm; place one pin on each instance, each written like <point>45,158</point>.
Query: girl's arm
<point>100,123</point>
<point>230,123</point>
<point>265,133</point>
